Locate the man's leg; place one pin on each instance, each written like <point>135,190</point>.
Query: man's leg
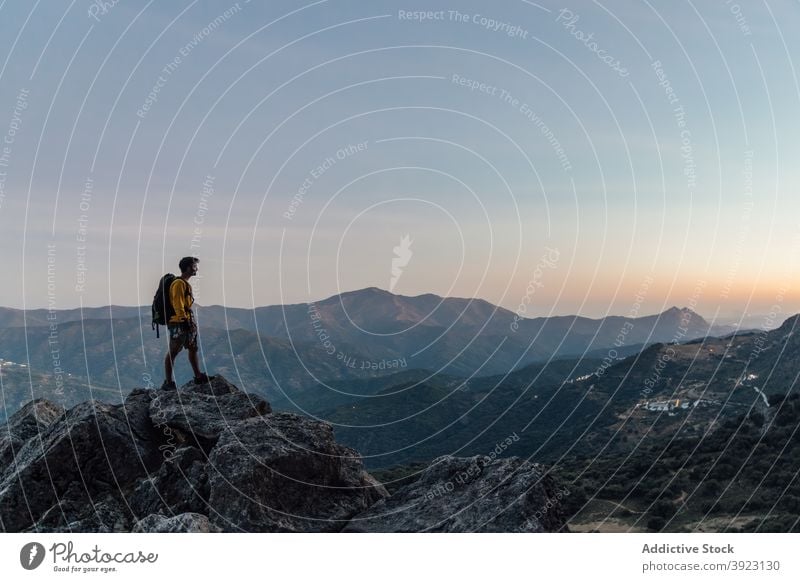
<point>175,348</point>
<point>194,360</point>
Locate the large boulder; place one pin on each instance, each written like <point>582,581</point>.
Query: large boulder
<point>475,494</point>
<point>86,454</point>
<point>197,414</point>
<point>207,457</point>
<point>286,473</point>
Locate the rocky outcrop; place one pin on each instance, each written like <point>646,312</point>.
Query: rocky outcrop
<point>204,458</point>
<point>476,494</point>
<point>211,458</point>
<point>79,460</point>
<point>292,476</point>
<point>28,422</point>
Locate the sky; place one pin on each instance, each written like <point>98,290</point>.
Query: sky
<point>552,158</point>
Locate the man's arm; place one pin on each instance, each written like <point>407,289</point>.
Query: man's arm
<point>177,295</point>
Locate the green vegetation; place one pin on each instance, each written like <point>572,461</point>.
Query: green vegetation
<point>743,476</point>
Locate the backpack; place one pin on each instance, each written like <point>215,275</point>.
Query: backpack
<point>162,304</point>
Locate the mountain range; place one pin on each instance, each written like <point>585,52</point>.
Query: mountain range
<point>287,352</point>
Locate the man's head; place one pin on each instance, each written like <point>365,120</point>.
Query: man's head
<point>188,265</point>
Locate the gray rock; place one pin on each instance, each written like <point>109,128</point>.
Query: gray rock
<point>197,414</point>
<point>475,494</point>
<point>106,515</point>
<point>87,453</point>
<point>285,473</point>
<point>216,386</point>
<point>28,422</point>
<point>178,461</point>
<point>179,486</point>
<point>183,523</point>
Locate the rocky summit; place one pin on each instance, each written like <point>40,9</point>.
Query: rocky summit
<point>212,458</point>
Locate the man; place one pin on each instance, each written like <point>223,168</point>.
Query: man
<point>182,326</point>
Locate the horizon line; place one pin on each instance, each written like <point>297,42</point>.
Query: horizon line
<point>371,287</point>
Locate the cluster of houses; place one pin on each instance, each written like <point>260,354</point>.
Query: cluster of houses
<point>10,363</point>
<point>671,406</point>
<point>578,379</point>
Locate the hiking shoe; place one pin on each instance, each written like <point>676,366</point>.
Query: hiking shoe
<point>169,385</point>
<point>202,378</point>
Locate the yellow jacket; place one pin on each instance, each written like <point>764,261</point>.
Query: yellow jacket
<point>180,294</point>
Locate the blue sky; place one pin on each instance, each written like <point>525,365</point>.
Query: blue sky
<point>254,98</point>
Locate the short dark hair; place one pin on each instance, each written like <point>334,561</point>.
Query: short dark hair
<point>187,262</point>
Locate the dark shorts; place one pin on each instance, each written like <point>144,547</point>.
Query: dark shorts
<point>184,333</point>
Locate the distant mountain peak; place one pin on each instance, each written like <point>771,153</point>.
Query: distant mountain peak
<point>365,292</point>
<point>680,311</point>
<point>373,289</point>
